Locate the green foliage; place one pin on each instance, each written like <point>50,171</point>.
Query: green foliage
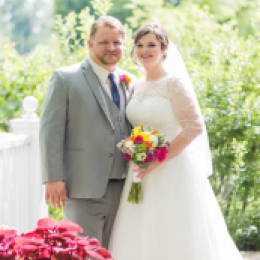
<point>143,11</point>
<point>56,213</point>
<point>135,11</point>
<point>116,9</point>
<point>101,7</point>
<point>25,22</point>
<point>225,71</point>
<point>239,11</point>
<point>64,7</point>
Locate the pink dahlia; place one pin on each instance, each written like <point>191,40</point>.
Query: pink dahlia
<point>139,139</point>
<point>128,157</point>
<point>161,153</point>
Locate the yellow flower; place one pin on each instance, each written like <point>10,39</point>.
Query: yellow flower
<point>137,128</point>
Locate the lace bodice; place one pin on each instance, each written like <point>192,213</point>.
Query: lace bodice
<point>167,106</point>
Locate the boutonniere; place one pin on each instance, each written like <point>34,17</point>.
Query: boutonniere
<point>125,79</point>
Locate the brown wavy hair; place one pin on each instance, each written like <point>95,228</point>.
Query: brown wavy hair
<point>160,34</point>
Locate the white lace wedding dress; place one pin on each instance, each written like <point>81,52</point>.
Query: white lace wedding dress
<point>180,218</point>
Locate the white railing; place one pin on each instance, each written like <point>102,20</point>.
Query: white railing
<point>14,157</point>
<point>21,191</point>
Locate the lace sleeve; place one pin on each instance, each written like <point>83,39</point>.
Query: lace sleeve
<point>185,109</point>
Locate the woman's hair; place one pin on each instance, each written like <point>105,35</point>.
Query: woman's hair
<point>107,21</point>
<point>160,34</point>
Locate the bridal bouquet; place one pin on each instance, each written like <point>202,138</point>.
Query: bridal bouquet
<point>142,147</point>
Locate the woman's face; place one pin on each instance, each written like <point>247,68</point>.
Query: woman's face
<point>148,51</point>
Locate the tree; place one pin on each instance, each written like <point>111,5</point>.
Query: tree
<point>26,23</point>
<point>64,7</point>
<point>237,10</point>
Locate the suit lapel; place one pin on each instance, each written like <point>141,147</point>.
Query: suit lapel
<point>125,92</point>
<point>95,86</point>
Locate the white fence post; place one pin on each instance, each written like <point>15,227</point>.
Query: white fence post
<point>29,124</point>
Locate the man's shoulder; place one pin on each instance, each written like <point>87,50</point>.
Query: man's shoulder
<point>71,69</point>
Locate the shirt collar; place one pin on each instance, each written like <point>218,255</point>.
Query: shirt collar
<point>101,72</point>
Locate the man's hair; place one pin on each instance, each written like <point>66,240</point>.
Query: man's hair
<point>107,21</point>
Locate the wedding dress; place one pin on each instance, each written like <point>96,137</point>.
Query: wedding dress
<point>180,218</point>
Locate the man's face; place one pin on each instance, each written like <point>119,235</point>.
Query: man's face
<point>106,46</point>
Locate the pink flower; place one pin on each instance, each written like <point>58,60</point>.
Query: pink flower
<point>128,157</point>
<point>139,139</point>
<point>161,153</point>
<point>94,242</point>
<point>70,234</point>
<point>47,223</point>
<point>65,226</point>
<point>29,249</point>
<point>149,158</point>
<point>51,240</point>
<point>122,77</point>
<point>104,253</point>
<point>35,252</point>
<point>6,233</point>
<point>94,255</point>
<point>63,253</point>
<point>58,240</point>
<point>32,234</point>
<point>21,241</point>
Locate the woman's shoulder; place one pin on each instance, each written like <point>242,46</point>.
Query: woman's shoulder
<point>138,82</point>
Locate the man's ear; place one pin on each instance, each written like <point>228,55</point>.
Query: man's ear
<point>90,43</point>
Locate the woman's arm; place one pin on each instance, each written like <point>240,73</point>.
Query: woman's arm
<point>187,112</point>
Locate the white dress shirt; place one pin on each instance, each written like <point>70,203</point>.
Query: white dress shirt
<point>102,74</point>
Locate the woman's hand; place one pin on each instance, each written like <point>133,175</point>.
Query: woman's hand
<point>142,172</point>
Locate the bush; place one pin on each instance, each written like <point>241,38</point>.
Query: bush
<point>50,240</point>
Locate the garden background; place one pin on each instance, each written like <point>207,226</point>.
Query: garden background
<point>219,41</point>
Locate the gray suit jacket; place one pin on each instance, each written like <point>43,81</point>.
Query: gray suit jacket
<point>76,135</point>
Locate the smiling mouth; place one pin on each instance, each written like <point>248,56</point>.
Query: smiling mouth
<point>146,57</point>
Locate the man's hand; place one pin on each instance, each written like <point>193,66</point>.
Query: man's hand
<point>55,192</point>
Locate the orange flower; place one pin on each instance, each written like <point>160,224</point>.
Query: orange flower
<point>148,144</point>
<point>132,138</point>
<point>155,132</point>
<point>127,79</point>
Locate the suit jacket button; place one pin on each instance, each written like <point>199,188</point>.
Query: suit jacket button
<point>110,155</point>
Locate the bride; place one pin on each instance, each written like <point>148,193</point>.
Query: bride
<point>179,218</point>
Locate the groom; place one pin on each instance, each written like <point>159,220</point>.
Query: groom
<point>83,119</point>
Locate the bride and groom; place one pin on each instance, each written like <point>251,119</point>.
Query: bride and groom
<point>88,108</point>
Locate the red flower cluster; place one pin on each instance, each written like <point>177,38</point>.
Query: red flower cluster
<point>51,240</point>
<point>161,153</point>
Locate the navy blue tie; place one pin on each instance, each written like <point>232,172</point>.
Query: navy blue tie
<point>114,90</point>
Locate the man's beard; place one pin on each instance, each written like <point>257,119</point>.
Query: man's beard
<point>104,59</point>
